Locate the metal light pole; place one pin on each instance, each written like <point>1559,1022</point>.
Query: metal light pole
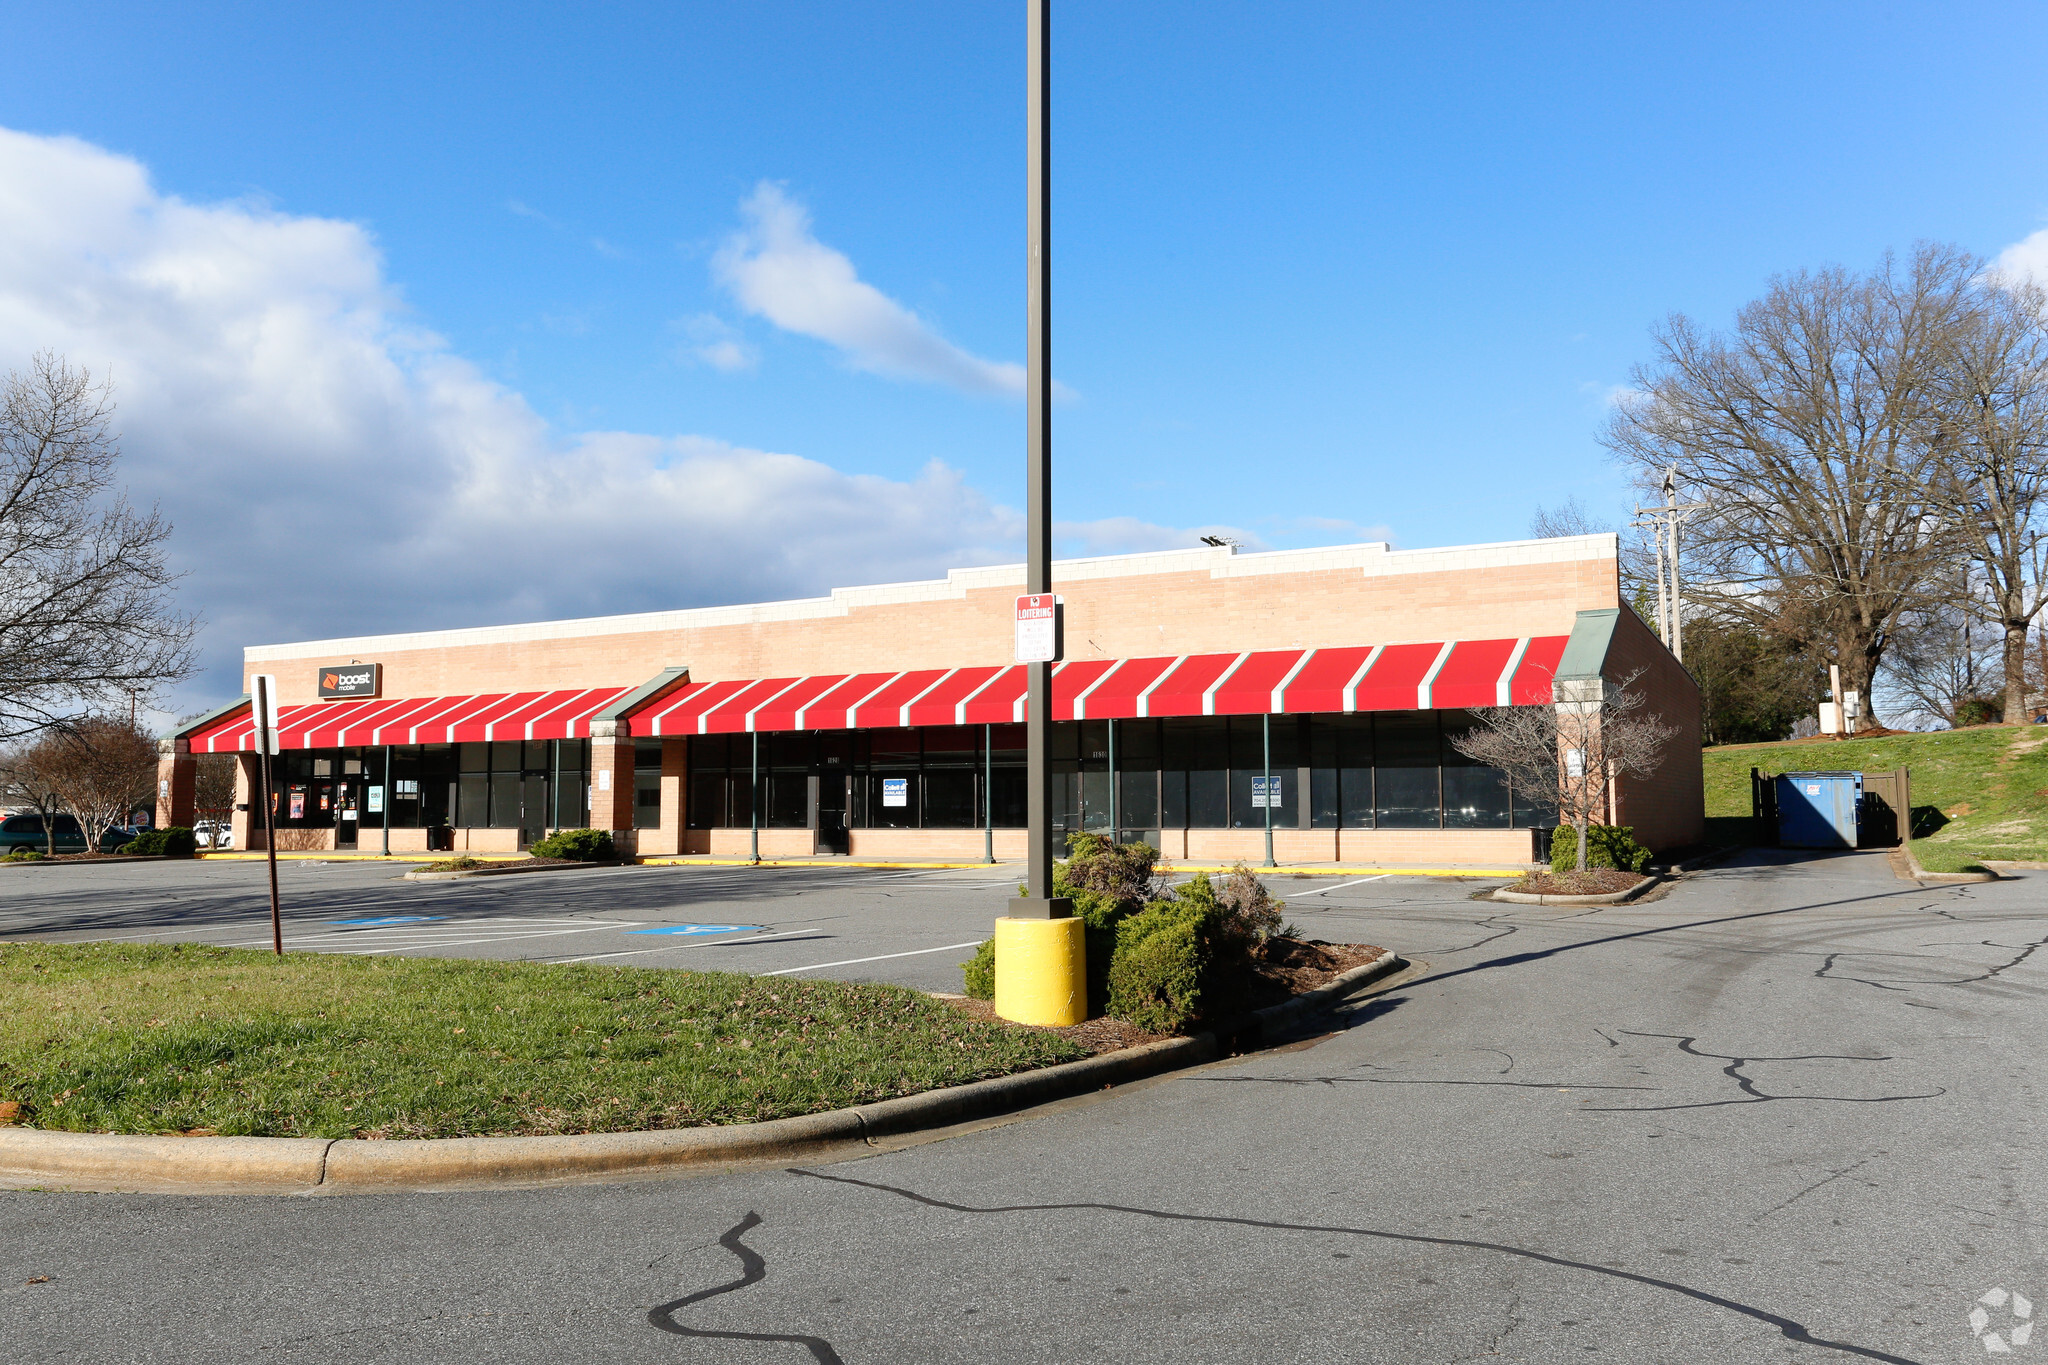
<point>1038,449</point>
<point>1041,957</point>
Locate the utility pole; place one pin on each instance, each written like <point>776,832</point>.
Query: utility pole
<point>1041,967</point>
<point>1664,522</point>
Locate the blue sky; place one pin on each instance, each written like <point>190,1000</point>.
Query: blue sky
<point>1322,271</point>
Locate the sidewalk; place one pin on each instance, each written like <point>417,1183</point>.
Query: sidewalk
<point>835,860</point>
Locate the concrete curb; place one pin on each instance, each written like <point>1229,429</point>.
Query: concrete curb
<point>205,1165</point>
<point>1603,898</point>
<point>1907,867</point>
<point>47,861</point>
<point>421,874</point>
<point>1287,1013</point>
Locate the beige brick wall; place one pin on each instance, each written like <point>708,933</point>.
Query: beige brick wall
<point>1116,615</point>
<point>1668,808</point>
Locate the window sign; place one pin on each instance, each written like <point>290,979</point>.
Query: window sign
<point>1038,628</point>
<point>895,791</point>
<point>298,806</point>
<point>404,787</point>
<point>323,767</point>
<point>376,806</point>
<point>1266,793</point>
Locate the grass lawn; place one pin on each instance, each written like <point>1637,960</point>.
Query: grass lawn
<point>1977,793</point>
<point>150,1038</point>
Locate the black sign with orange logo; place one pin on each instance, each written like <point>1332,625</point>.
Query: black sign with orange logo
<point>351,680</point>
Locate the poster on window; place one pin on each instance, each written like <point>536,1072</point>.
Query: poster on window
<point>895,791</point>
<point>298,804</point>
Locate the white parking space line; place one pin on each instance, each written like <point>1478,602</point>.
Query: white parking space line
<point>854,961</point>
<point>1341,885</point>
<point>678,947</point>
<point>398,937</point>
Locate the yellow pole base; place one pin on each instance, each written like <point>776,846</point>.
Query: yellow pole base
<point>1041,971</point>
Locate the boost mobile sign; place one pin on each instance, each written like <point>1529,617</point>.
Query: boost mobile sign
<point>351,680</point>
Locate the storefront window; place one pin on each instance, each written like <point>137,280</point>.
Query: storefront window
<point>1407,791</point>
<point>1475,797</point>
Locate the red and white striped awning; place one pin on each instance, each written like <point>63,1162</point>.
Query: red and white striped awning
<point>419,720</point>
<point>1405,677</point>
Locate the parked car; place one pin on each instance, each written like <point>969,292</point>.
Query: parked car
<point>26,831</point>
<point>214,834</point>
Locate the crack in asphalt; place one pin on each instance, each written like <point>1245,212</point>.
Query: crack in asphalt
<point>1788,1327</point>
<point>1751,1094</point>
<point>1830,1178</point>
<point>753,1270</point>
<point>2022,951</point>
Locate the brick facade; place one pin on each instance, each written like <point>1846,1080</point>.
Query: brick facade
<point>1171,603</point>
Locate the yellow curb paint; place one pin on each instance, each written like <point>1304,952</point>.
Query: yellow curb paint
<point>1041,971</point>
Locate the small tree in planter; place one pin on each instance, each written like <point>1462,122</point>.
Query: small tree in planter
<point>1596,734</point>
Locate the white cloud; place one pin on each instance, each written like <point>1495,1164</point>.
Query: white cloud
<point>714,342</point>
<point>2026,258</point>
<point>331,468</point>
<point>775,268</point>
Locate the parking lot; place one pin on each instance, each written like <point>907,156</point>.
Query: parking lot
<point>912,927</point>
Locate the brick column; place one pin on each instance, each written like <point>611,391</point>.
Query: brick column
<point>675,779</point>
<point>176,782</point>
<point>611,781</point>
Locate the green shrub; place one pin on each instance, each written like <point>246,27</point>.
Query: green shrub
<point>1155,978</point>
<point>462,864</point>
<point>577,845</point>
<point>176,841</point>
<point>1979,711</point>
<point>981,972</point>
<point>1158,957</point>
<point>22,855</point>
<point>1606,846</point>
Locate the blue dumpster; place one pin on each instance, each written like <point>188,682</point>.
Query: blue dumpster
<point>1818,810</point>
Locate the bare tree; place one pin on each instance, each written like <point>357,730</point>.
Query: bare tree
<point>1596,734</point>
<point>27,778</point>
<point>86,620</point>
<point>1944,655</point>
<point>1815,431</point>
<point>1568,518</point>
<point>1991,478</point>
<point>96,769</point>
<point>213,789</point>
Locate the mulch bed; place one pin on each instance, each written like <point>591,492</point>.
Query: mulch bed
<point>1594,881</point>
<point>1294,966</point>
<point>1291,967</point>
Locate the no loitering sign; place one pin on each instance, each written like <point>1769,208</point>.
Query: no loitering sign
<point>1038,628</point>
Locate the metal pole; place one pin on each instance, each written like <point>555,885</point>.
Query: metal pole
<point>1038,441</point>
<point>1116,818</point>
<point>388,803</point>
<point>1266,738</point>
<point>754,801</point>
<point>265,737</point>
<point>988,793</point>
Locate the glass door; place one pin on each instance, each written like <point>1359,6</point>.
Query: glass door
<point>533,808</point>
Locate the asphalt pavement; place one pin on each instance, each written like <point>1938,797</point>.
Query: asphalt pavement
<point>912,927</point>
<point>1787,1110</point>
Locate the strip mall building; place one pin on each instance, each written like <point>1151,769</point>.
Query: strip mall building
<point>887,721</point>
